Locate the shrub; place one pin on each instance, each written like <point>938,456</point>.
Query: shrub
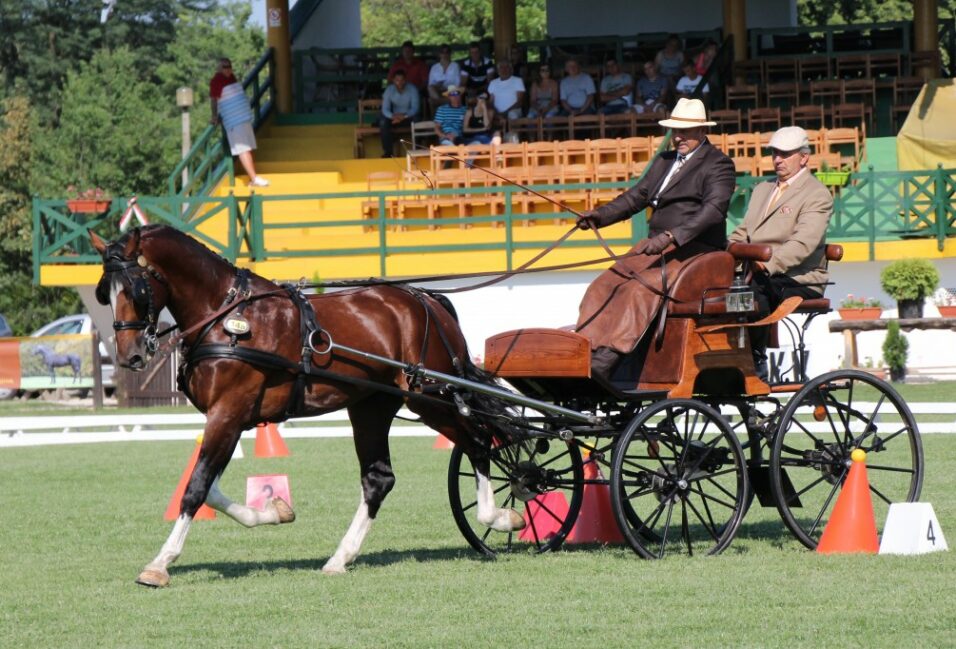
<point>909,279</point>
<point>895,349</point>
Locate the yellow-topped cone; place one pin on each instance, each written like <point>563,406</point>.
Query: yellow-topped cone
<point>852,527</point>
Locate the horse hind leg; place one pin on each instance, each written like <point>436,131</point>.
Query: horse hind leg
<point>371,419</point>
<point>488,514</point>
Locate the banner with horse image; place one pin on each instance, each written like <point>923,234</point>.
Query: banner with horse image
<point>47,362</point>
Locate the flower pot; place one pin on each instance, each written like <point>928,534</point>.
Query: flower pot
<point>87,206</point>
<point>833,178</point>
<point>947,311</point>
<point>897,375</point>
<point>910,308</point>
<point>861,313</point>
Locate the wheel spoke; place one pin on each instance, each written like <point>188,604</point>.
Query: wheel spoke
<point>826,504</point>
<point>880,494</point>
<point>685,531</point>
<point>895,469</point>
<point>823,402</point>
<point>667,526</point>
<point>710,530</point>
<point>731,505</point>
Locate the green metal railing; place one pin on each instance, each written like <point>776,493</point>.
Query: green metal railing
<point>208,159</point>
<point>874,206</point>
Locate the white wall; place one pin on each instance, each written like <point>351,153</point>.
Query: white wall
<point>627,17</point>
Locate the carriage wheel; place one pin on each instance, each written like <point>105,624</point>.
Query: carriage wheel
<point>541,479</point>
<point>678,480</point>
<point>810,457</point>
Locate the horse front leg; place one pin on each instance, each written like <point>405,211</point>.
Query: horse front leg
<point>214,455</point>
<point>276,510</point>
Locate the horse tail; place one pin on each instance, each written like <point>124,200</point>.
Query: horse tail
<point>494,416</point>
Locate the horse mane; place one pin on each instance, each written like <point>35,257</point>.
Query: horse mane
<point>194,248</point>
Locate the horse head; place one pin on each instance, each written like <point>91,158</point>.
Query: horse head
<point>135,291</point>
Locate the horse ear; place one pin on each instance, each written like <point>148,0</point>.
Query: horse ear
<point>98,242</point>
<point>132,244</point>
<point>102,291</point>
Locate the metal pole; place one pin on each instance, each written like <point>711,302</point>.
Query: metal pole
<point>184,99</point>
<point>505,395</point>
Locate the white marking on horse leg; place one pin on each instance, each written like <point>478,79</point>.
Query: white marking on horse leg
<point>241,513</point>
<point>500,520</point>
<point>351,543</point>
<point>173,547</point>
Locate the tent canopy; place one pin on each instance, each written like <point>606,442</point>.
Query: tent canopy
<point>928,137</point>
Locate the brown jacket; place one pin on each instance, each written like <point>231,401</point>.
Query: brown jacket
<point>617,309</point>
<point>796,229</point>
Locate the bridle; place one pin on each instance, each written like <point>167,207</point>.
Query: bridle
<point>136,274</point>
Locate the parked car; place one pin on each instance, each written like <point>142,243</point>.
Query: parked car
<point>80,323</point>
<point>5,330</point>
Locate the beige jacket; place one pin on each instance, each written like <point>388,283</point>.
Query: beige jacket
<point>796,228</point>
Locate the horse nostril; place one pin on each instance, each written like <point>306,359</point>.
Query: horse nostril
<point>136,362</point>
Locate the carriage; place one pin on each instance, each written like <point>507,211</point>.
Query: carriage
<point>685,435</point>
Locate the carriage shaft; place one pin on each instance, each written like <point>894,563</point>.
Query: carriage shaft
<point>460,382</point>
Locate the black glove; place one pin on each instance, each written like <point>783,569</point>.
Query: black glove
<point>653,246</point>
<point>591,220</point>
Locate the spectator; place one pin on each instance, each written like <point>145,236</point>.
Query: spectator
<point>416,70</point>
<point>688,83</point>
<point>479,122</point>
<point>544,94</point>
<point>450,117</point>
<point>616,87</point>
<point>507,92</point>
<point>651,90</point>
<point>519,63</point>
<point>706,57</point>
<point>577,90</point>
<point>476,71</point>
<point>670,59</point>
<point>230,106</point>
<point>400,106</point>
<point>443,74</point>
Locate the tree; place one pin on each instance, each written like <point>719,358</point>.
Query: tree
<point>830,12</point>
<point>116,131</point>
<point>26,306</point>
<point>387,23</point>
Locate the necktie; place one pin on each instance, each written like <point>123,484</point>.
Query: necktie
<point>781,188</point>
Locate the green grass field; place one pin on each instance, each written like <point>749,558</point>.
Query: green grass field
<point>81,521</point>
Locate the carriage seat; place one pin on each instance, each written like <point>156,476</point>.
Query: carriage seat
<point>701,285</point>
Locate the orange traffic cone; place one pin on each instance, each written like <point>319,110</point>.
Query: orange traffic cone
<point>851,527</point>
<point>172,510</point>
<point>543,517</point>
<point>443,443</point>
<point>269,442</point>
<point>595,522</point>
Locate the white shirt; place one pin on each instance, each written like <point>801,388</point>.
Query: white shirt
<point>686,87</point>
<point>505,91</point>
<point>673,170</point>
<point>444,77</point>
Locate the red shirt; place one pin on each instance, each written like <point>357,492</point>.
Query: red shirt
<point>416,72</point>
<point>219,82</point>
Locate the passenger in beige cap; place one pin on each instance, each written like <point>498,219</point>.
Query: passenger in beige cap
<point>791,214</point>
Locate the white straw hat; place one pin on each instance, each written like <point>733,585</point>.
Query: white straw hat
<point>688,113</point>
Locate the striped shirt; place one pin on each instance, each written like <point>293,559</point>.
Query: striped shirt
<point>234,106</point>
<point>450,119</point>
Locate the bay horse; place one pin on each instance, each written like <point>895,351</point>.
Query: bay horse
<point>253,353</point>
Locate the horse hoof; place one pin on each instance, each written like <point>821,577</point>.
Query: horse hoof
<point>154,578</point>
<point>333,570</point>
<point>286,515</point>
<point>516,520</point>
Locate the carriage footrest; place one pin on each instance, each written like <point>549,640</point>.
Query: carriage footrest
<point>759,475</point>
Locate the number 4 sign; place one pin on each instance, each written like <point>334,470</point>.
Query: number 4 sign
<point>912,528</point>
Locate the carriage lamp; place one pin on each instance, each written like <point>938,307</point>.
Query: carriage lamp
<point>740,299</point>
